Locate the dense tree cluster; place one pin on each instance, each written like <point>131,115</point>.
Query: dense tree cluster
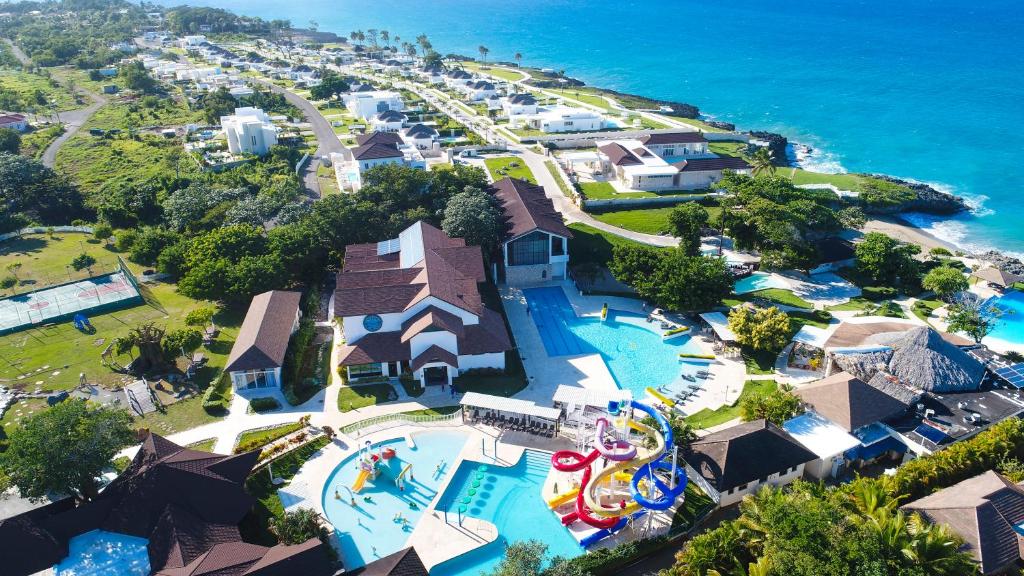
<point>885,260</point>
<point>672,279</point>
<point>32,193</point>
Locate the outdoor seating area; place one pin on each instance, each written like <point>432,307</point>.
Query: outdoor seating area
<point>510,414</point>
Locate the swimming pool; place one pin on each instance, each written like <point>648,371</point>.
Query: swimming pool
<point>1010,327</point>
<point>102,553</point>
<point>759,281</point>
<point>370,531</point>
<point>632,348</point>
<point>510,499</point>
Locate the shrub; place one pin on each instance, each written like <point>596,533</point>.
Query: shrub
<point>878,293</point>
<point>264,404</point>
<point>125,240</point>
<point>200,316</point>
<point>8,282</point>
<point>102,231</point>
<point>217,396</point>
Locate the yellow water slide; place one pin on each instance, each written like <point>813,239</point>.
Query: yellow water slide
<point>643,457</point>
<point>360,480</point>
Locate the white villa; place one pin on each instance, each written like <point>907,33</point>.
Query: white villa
<point>368,104</point>
<point>457,78</point>
<point>374,149</point>
<point>388,121</point>
<point>258,353</point>
<point>671,161</point>
<point>412,305</point>
<point>249,131</point>
<point>560,118</point>
<point>422,136</point>
<point>536,243</point>
<point>477,90</point>
<point>519,105</point>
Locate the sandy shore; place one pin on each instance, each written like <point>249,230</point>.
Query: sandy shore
<point>901,230</point>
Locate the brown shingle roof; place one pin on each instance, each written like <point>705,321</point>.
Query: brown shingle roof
<point>389,138</point>
<point>708,164</point>
<point>488,336</point>
<point>744,453</point>
<point>432,318</point>
<point>434,354</point>
<point>376,152</point>
<point>619,155</point>
<point>263,338</point>
<point>402,563</point>
<point>674,138</point>
<point>374,348</point>
<point>849,401</point>
<point>527,208</point>
<point>984,511</point>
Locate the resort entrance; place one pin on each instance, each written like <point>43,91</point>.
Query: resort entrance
<point>435,376</point>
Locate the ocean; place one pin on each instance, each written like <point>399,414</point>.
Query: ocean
<point>929,90</point>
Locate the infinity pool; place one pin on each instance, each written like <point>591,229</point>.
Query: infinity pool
<point>510,499</point>
<point>758,281</point>
<point>632,348</point>
<point>1010,327</point>
<point>102,553</point>
<point>371,530</point>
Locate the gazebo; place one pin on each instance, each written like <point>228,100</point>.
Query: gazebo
<point>996,277</point>
<point>510,413</point>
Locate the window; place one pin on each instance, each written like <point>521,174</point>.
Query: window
<point>741,488</point>
<point>372,322</point>
<point>557,246</point>
<point>669,152</point>
<point>530,249</point>
<point>363,370</point>
<point>568,122</point>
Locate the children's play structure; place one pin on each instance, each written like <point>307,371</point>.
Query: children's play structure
<point>374,464</point>
<point>622,478</point>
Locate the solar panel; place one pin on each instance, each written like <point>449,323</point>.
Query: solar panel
<point>1013,374</point>
<point>934,434</point>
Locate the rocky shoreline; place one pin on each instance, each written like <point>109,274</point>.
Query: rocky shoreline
<point>1002,261</point>
<point>929,200</point>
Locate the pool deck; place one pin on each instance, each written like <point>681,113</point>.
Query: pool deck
<point>435,540</point>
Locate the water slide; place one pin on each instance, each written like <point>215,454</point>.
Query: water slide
<point>646,474</point>
<point>591,539</point>
<point>660,397</point>
<point>360,480</point>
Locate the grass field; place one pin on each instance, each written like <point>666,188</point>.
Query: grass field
<point>708,418</point>
<point>44,261</point>
<point>361,396</point>
<point>34,143</point>
<point>841,181</point>
<point>39,92</point>
<point>505,164</point>
<point>646,220</point>
<point>553,170</point>
<point>253,439</point>
<point>582,95</point>
<point>589,244</point>
<point>605,191</point>
<point>496,71</point>
<point>779,296</point>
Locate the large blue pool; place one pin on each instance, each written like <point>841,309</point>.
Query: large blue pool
<point>632,348</point>
<point>1010,327</point>
<point>510,499</point>
<point>758,281</point>
<point>371,530</point>
<point>102,553</point>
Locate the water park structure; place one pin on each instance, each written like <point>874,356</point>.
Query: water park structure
<point>633,477</point>
<point>384,461</point>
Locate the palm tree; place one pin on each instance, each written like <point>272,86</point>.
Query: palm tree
<point>424,43</point>
<point>386,37</point>
<point>371,33</point>
<point>519,59</point>
<point>762,162</point>
<point>483,50</point>
<point>936,550</point>
<point>353,35</point>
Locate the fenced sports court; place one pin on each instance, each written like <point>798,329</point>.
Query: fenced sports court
<point>58,303</point>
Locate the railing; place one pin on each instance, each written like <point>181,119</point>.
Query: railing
<point>387,421</point>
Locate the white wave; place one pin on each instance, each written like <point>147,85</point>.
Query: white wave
<point>955,231</point>
<point>814,159</point>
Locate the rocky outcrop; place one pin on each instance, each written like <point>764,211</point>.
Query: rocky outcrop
<point>1002,261</point>
<point>729,126</point>
<point>777,145</point>
<point>928,200</point>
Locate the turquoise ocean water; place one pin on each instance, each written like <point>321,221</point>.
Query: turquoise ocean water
<point>931,90</point>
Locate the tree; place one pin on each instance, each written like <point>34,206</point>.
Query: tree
<point>64,449</point>
<point>852,217</point>
<point>974,317</point>
<point>687,221</point>
<point>182,341</point>
<point>10,140</point>
<point>886,260</point>
<point>102,231</point>
<point>200,316</point>
<point>149,340</point>
<point>945,281</point>
<point>83,261</point>
<point>149,243</point>
<point>483,50</point>
<point>472,215</point>
<point>761,161</point>
<point>13,268</point>
<point>332,85</point>
<point>29,188</point>
<point>763,329</point>
<point>519,59</point>
<point>692,283</point>
<point>298,526</point>
<point>776,406</point>
<point>136,77</point>
<point>524,558</point>
<point>216,104</point>
<point>635,265</point>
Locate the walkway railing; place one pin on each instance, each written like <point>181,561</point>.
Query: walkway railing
<point>386,421</point>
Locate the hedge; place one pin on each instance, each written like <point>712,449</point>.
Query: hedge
<point>254,439</point>
<point>609,561</point>
<point>217,397</point>
<point>295,361</point>
<point>264,404</point>
<point>878,293</point>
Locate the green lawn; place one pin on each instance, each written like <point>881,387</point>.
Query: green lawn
<point>32,90</point>
<point>558,178</point>
<point>923,309</point>
<point>868,307</point>
<point>254,439</point>
<point>589,244</point>
<point>582,95</point>
<point>648,221</point>
<point>509,166</point>
<point>255,527</point>
<point>605,191</point>
<point>203,445</point>
<point>439,411</point>
<point>779,296</point>
<point>727,148</point>
<point>708,418</point>
<point>502,72</point>
<point>841,181</point>
<point>695,504</point>
<point>361,396</point>
<point>44,260</point>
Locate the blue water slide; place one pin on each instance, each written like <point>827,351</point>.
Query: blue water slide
<point>591,539</point>
<point>667,494</point>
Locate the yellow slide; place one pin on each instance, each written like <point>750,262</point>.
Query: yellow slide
<point>661,397</point>
<point>631,505</point>
<point>360,481</point>
<point>563,498</point>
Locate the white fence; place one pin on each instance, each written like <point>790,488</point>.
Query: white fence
<point>44,230</point>
<point>378,423</point>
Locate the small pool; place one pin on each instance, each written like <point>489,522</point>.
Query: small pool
<point>1010,327</point>
<point>370,531</point>
<point>632,348</point>
<point>102,553</point>
<point>510,498</point>
<point>759,281</point>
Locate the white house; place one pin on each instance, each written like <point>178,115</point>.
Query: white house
<point>672,144</point>
<point>559,118</point>
<point>738,460</point>
<point>516,105</point>
<point>388,121</point>
<point>422,136</point>
<point>249,131</point>
<point>432,74</point>
<point>14,121</point>
<point>258,352</point>
<point>477,90</point>
<point>412,305</point>
<point>372,150</point>
<point>368,104</point>
<point>535,247</point>
<point>194,41</point>
<point>636,166</point>
<point>457,78</point>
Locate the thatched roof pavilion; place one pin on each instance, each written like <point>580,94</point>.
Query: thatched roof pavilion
<point>923,359</point>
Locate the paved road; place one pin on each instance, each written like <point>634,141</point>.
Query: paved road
<point>21,56</point>
<point>327,140</point>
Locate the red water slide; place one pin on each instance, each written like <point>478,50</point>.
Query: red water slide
<point>569,461</point>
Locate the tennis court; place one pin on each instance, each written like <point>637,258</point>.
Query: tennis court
<point>57,303</point>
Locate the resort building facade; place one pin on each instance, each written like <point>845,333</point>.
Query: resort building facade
<point>366,105</point>
<point>259,350</point>
<point>535,247</point>
<point>249,131</point>
<point>671,161</point>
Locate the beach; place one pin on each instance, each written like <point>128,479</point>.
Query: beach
<point>905,232</point>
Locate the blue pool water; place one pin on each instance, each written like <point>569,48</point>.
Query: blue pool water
<point>758,281</point>
<point>372,524</point>
<point>102,553</point>
<point>510,499</point>
<point>1010,327</point>
<point>632,348</point>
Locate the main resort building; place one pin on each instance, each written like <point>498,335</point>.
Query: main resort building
<point>412,305</point>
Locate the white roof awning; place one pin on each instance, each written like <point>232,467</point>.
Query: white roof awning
<point>586,397</point>
<point>820,435</point>
<point>502,404</point>
<point>720,324</point>
<point>812,336</point>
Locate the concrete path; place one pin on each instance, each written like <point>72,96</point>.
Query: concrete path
<point>21,56</point>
